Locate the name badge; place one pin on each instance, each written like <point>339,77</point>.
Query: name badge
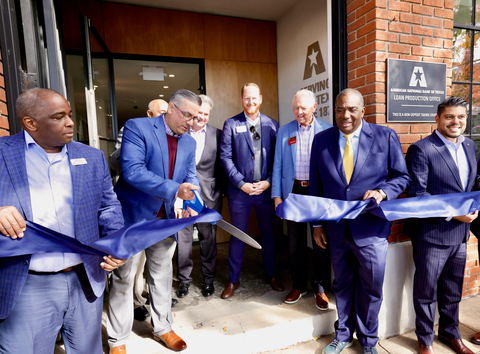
<point>241,129</point>
<point>292,140</point>
<point>76,162</point>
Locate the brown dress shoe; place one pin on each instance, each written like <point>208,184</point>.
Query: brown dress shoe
<point>321,301</point>
<point>171,341</point>
<point>456,344</point>
<point>229,290</point>
<point>294,295</point>
<point>425,349</point>
<point>476,338</point>
<point>121,349</point>
<point>276,285</point>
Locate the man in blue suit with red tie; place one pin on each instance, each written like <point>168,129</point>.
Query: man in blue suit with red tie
<point>158,166</point>
<point>63,185</point>
<point>247,148</point>
<point>355,161</point>
<point>441,163</point>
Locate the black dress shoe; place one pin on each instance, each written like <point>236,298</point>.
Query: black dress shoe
<point>208,289</point>
<point>182,290</point>
<point>174,302</point>
<point>140,313</point>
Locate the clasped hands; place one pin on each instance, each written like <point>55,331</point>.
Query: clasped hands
<point>12,224</point>
<point>255,188</point>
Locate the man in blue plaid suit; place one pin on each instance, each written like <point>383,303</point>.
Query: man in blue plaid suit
<point>47,178</point>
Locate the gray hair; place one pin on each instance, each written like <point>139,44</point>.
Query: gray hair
<point>348,91</point>
<point>180,95</point>
<point>308,93</point>
<point>206,99</point>
<point>27,102</point>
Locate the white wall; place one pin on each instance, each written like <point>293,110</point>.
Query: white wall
<point>304,24</point>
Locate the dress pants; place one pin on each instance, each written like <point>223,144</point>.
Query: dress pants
<point>120,308</point>
<point>207,235</point>
<point>239,215</point>
<point>438,279</point>
<point>359,274</point>
<point>140,282</point>
<point>48,304</point>
<point>298,254</point>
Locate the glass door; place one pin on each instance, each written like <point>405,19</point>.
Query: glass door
<point>101,123</point>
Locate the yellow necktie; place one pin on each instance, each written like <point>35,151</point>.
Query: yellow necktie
<point>348,159</point>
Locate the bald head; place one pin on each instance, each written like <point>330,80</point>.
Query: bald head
<point>353,92</point>
<point>157,107</point>
<point>31,101</point>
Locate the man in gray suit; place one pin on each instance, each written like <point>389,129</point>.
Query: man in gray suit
<point>208,173</point>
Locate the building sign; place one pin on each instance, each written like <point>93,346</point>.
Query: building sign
<point>414,90</point>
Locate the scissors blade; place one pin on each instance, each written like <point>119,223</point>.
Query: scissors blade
<point>242,236</point>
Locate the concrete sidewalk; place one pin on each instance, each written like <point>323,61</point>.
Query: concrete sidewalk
<point>256,319</point>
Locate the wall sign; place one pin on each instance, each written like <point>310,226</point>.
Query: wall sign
<point>414,90</point>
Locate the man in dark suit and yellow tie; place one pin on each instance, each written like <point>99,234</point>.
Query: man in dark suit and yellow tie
<point>355,161</point>
<point>441,163</point>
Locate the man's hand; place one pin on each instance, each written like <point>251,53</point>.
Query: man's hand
<point>467,218</point>
<point>277,201</point>
<point>111,263</point>
<point>247,188</point>
<point>185,191</point>
<point>319,236</point>
<point>12,223</point>
<point>191,212</point>
<point>181,213</point>
<point>259,187</point>
<point>373,194</point>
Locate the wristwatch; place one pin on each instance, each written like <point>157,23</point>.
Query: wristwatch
<point>384,195</point>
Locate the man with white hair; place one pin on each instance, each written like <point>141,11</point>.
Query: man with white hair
<point>291,175</point>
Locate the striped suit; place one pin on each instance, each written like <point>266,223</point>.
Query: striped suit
<point>439,246</point>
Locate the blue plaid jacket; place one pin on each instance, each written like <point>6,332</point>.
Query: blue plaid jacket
<point>97,210</point>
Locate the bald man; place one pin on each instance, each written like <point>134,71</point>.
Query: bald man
<point>63,185</point>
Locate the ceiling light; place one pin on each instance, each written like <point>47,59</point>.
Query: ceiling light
<point>152,73</point>
<point>171,75</point>
<point>165,86</point>
<point>160,95</point>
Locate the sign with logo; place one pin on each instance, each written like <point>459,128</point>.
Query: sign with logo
<point>314,61</point>
<point>414,90</point>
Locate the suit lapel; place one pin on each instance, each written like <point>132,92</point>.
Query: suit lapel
<point>294,133</point>
<point>265,140</point>
<point>209,140</point>
<point>442,149</point>
<point>161,134</point>
<point>471,159</point>
<point>18,172</point>
<point>334,150</point>
<point>180,157</point>
<point>364,146</point>
<point>78,181</point>
<point>246,134</point>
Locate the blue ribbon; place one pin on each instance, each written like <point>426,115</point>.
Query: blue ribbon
<point>122,244</point>
<point>304,208</point>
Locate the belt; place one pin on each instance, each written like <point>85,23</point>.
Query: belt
<point>66,270</point>
<point>302,183</point>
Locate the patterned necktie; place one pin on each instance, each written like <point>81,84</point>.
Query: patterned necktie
<point>348,158</point>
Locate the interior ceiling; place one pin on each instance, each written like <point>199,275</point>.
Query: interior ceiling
<point>268,10</point>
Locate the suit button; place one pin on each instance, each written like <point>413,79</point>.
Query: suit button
<point>154,212</point>
<point>25,262</point>
<point>252,171</point>
<point>253,157</point>
<point>348,189</point>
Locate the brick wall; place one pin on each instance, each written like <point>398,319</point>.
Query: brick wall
<point>404,29</point>
<point>3,102</point>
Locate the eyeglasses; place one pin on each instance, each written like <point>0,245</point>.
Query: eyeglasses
<point>187,116</point>
<point>256,136</point>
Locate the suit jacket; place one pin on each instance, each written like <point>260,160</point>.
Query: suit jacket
<point>96,209</point>
<point>286,155</point>
<point>144,185</point>
<point>433,172</point>
<point>209,171</point>
<point>237,156</point>
<point>380,165</point>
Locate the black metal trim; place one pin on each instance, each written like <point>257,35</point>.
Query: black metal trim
<point>10,48</point>
<point>339,48</point>
<point>53,70</point>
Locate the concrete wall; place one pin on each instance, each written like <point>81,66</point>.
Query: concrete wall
<point>305,24</point>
